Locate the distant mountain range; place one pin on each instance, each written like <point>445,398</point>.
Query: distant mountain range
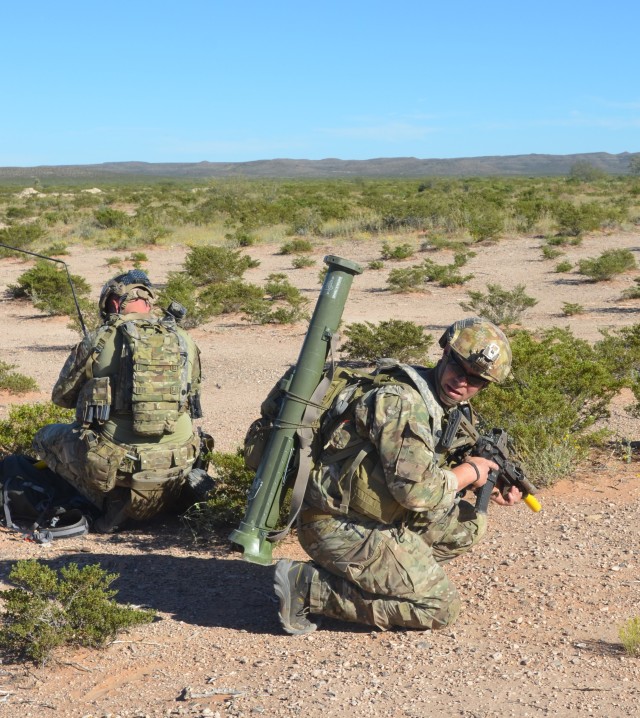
<point>410,167</point>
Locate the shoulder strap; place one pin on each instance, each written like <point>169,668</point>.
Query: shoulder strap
<point>435,410</point>
<point>5,503</point>
<point>104,332</point>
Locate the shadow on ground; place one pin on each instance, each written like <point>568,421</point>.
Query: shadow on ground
<point>203,591</point>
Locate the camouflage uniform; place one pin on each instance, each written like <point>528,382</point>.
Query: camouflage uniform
<point>108,457</point>
<point>388,572</point>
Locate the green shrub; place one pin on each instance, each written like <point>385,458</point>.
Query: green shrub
<point>619,352</point>
<point>564,266</point>
<point>241,238</point>
<point>13,212</point>
<point>436,242</point>
<point>375,264</point>
<point>278,287</point>
<point>57,249</point>
<point>211,284</point>
<point>560,240</point>
<point>296,246</point>
<point>485,224</point>
<point>47,285</point>
<point>409,279</point>
<point>446,275</point>
<point>549,252</point>
<point>13,382</point>
<point>413,279</point>
<point>228,502</point>
<point>283,303</point>
<point>75,607</point>
<point>181,288</point>
<point>322,274</point>
<point>607,265</point>
<point>569,309</point>
<point>573,219</point>
<point>17,431</point>
<point>215,265</point>
<point>227,298</point>
<point>629,634</point>
<point>498,305</point>
<point>114,261</point>
<point>560,387</point>
<point>632,292</point>
<point>402,340</point>
<point>400,251</point>
<point>19,236</point>
<point>583,171</point>
<point>109,218</point>
<point>302,262</point>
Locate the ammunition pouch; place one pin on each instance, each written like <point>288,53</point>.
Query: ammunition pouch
<point>195,406</point>
<point>102,461</point>
<point>255,442</point>
<point>159,480</point>
<point>94,402</point>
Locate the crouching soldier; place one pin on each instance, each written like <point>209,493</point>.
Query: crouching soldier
<point>381,528</point>
<point>135,386</point>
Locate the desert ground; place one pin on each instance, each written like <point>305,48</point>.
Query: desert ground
<point>543,595</point>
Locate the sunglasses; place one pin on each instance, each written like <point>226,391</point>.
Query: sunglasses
<point>472,379</point>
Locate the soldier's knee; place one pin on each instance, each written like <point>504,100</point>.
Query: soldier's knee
<point>430,613</point>
<point>447,614</point>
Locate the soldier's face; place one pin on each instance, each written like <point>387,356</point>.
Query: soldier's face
<point>457,382</point>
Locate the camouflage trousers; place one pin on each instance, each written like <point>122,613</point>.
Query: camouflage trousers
<point>99,468</point>
<point>387,576</point>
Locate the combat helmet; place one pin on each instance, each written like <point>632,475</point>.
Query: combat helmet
<point>133,284</point>
<point>481,345</point>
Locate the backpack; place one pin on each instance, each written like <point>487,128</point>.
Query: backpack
<point>39,502</point>
<point>153,380</point>
<point>339,389</point>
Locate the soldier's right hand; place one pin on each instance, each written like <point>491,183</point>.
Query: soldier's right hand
<point>474,472</point>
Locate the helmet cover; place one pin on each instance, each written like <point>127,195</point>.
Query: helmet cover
<point>481,345</point>
<point>133,284</point>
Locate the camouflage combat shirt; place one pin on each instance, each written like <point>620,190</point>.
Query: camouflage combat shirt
<point>404,429</point>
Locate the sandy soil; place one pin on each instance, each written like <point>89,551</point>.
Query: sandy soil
<point>544,594</point>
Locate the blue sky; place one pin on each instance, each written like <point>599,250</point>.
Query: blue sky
<point>238,80</point>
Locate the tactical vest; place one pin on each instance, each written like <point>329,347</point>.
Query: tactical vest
<point>351,465</point>
<point>152,382</point>
<point>343,463</point>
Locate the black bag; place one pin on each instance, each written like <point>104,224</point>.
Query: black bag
<point>39,502</point>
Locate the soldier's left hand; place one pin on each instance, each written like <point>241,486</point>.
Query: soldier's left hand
<point>513,496</point>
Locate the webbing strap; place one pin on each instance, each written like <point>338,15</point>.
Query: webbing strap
<point>305,439</point>
<point>346,478</point>
<point>7,513</point>
<point>11,470</point>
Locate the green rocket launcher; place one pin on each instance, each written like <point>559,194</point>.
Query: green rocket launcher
<point>255,532</point>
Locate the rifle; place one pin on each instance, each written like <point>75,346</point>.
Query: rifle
<point>492,446</point>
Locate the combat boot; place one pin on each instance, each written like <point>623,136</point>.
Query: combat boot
<point>114,513</point>
<point>293,586</point>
